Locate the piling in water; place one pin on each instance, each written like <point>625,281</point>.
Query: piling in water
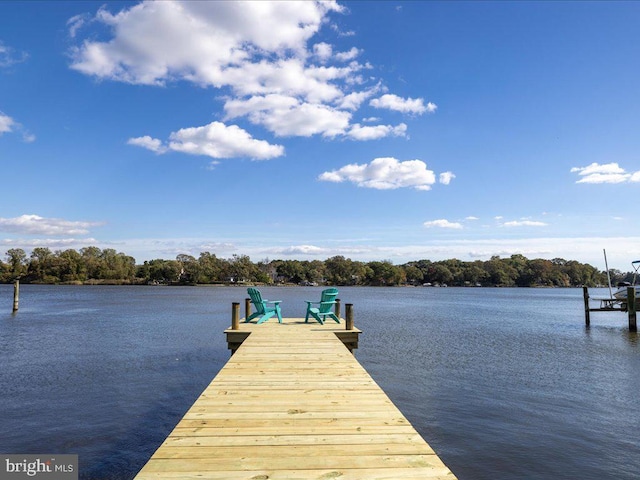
<point>631,308</point>
<point>16,295</point>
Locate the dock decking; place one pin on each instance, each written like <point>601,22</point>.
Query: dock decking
<point>293,403</point>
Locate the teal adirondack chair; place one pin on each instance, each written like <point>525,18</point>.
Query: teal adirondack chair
<point>325,306</point>
<point>262,310</point>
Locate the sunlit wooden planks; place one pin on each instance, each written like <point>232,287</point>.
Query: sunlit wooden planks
<point>294,403</point>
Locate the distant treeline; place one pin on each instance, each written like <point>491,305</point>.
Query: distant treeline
<point>91,265</point>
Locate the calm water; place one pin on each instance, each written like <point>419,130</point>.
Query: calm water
<point>503,383</point>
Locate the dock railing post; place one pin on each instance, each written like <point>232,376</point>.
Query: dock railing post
<point>631,308</point>
<point>349,316</point>
<point>235,316</point>
<point>585,294</point>
<point>247,308</point>
<point>16,295</point>
<point>337,308</point>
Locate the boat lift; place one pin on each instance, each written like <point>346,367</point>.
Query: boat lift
<point>625,299</point>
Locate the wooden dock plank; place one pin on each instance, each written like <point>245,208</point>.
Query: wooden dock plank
<point>316,440</point>
<point>411,473</point>
<point>294,403</point>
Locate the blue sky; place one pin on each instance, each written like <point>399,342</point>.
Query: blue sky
<point>375,130</point>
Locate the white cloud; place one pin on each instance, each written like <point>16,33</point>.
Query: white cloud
<point>442,223</point>
<point>348,56</point>
<point>288,77</point>
<point>260,53</point>
<point>372,132</point>
<point>524,223</point>
<point>215,140</point>
<point>286,116</point>
<point>218,140</point>
<point>153,144</point>
<point>606,173</point>
<point>446,177</point>
<point>9,56</point>
<point>323,51</point>
<point>9,125</point>
<point>405,105</point>
<point>353,100</point>
<point>384,174</point>
<point>302,250</point>
<point>158,41</point>
<point>6,123</point>
<point>77,22</point>
<point>471,218</point>
<point>36,225</point>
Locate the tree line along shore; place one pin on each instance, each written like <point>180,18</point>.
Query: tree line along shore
<point>92,265</point>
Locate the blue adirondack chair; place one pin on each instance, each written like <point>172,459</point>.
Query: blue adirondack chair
<point>262,310</point>
<point>325,306</point>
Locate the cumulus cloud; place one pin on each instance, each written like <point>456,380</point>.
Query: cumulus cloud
<point>443,223</point>
<point>9,125</point>
<point>431,107</point>
<point>405,105</point>
<point>36,225</point>
<point>6,123</point>
<point>606,173</point>
<point>323,51</point>
<point>353,100</point>
<point>153,144</point>
<point>446,177</point>
<point>215,140</point>
<point>372,132</point>
<point>287,116</point>
<point>155,42</point>
<point>259,53</point>
<point>384,174</point>
<point>348,56</point>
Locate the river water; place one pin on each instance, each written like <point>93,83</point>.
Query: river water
<point>503,383</point>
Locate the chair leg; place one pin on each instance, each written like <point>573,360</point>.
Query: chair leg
<point>279,313</point>
<point>266,317</point>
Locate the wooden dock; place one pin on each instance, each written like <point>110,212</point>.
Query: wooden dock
<point>294,403</point>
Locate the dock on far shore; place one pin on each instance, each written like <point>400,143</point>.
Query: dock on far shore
<point>292,402</point>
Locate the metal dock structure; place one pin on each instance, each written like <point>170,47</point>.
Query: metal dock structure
<point>294,403</point>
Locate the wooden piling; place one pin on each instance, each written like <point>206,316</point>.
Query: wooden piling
<point>235,316</point>
<point>587,314</point>
<point>247,308</point>
<point>631,308</point>
<point>349,316</point>
<point>16,295</point>
<point>337,308</point>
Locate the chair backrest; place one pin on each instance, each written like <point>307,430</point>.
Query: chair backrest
<point>328,295</point>
<point>256,299</point>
